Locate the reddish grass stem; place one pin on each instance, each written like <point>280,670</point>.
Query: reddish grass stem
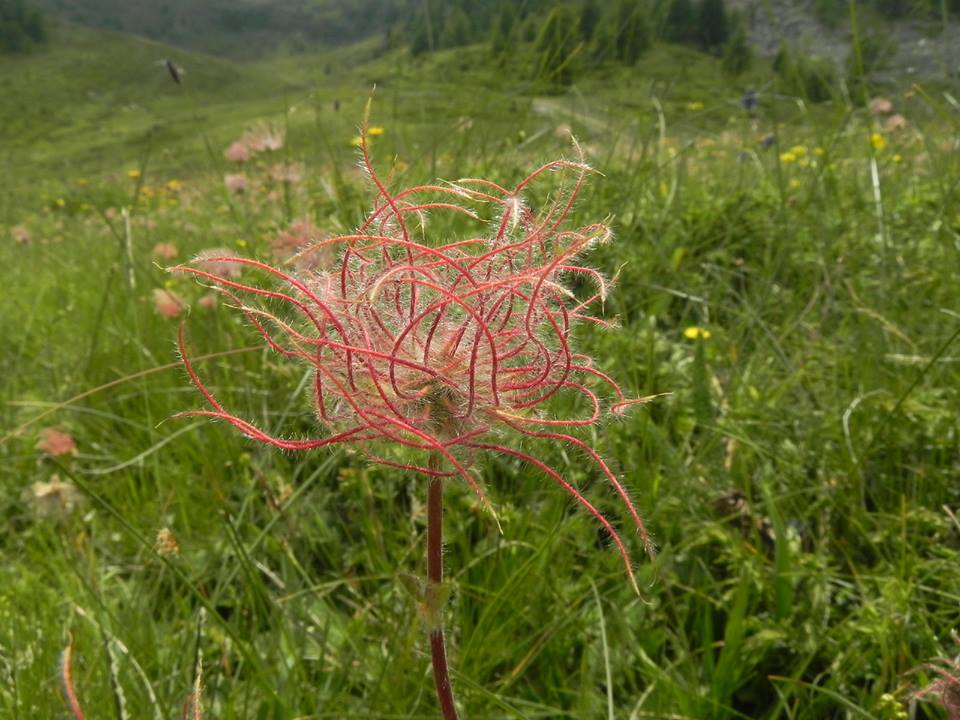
<point>438,652</point>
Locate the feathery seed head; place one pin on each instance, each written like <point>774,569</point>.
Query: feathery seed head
<point>429,347</point>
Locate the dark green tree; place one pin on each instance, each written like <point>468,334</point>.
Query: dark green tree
<point>680,25</point>
<point>456,28</point>
<point>420,40</point>
<point>714,26</point>
<point>424,27</point>
<point>21,26</point>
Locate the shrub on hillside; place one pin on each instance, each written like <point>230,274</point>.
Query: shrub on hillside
<point>737,55</point>
<point>812,78</point>
<point>456,29</point>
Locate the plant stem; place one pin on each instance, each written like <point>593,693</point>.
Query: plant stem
<point>438,652</point>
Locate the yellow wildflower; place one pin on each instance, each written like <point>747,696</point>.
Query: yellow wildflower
<point>356,141</point>
<point>241,243</point>
<point>696,333</point>
<point>897,157</point>
<point>173,185</point>
<point>375,131</point>
<point>878,141</point>
<point>819,151</point>
<point>788,157</point>
<point>794,184</point>
<point>133,174</point>
<point>695,105</point>
<point>799,150</point>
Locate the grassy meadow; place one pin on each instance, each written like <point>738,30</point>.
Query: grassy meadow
<point>788,275</point>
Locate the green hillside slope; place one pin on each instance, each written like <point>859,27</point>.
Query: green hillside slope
<point>244,28</point>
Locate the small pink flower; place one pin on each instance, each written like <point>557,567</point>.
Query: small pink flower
<point>263,138</point>
<point>220,262</point>
<point>208,301</point>
<point>167,303</point>
<point>880,106</point>
<point>56,442</point>
<point>165,251</point>
<point>21,235</point>
<point>895,122</point>
<point>54,499</point>
<point>235,182</point>
<point>238,152</point>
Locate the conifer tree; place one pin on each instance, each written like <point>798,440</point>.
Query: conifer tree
<point>456,28</point>
<point>21,26</point>
<point>714,28</point>
<point>680,25</point>
<point>814,79</point>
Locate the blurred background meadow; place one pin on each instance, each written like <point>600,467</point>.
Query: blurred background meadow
<point>783,181</point>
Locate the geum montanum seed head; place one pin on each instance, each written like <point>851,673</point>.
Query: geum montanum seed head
<point>426,352</point>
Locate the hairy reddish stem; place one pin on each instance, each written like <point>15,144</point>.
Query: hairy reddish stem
<point>438,651</point>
